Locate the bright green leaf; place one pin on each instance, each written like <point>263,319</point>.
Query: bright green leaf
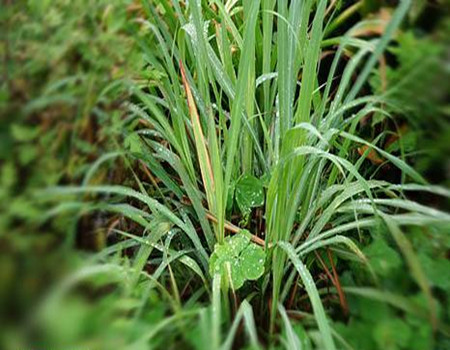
<point>249,193</point>
<point>238,258</point>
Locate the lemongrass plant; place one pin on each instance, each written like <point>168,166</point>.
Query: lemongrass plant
<point>239,94</point>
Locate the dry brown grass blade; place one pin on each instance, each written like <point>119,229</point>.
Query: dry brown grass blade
<point>235,229</point>
<point>200,141</point>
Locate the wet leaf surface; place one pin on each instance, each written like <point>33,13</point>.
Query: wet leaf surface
<point>239,259</point>
<point>249,193</point>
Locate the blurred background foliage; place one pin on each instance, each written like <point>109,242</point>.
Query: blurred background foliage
<point>65,68</point>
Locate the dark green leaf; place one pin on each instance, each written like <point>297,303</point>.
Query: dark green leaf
<point>249,193</point>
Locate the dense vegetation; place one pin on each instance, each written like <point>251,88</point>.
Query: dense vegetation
<point>224,174</point>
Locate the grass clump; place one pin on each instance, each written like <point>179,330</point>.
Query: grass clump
<point>264,203</point>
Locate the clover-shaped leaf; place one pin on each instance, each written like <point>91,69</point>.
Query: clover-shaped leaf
<point>249,194</point>
<point>238,259</point>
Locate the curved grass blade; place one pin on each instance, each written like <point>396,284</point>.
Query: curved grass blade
<point>311,289</point>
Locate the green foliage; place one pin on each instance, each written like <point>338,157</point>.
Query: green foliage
<point>249,193</point>
<point>60,62</point>
<point>237,260</point>
<point>150,150</point>
<point>375,326</point>
<point>436,270</point>
<point>415,91</point>
<point>384,259</point>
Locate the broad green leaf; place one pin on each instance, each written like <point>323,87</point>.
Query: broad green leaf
<point>249,193</point>
<point>252,263</point>
<point>383,259</point>
<point>237,259</point>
